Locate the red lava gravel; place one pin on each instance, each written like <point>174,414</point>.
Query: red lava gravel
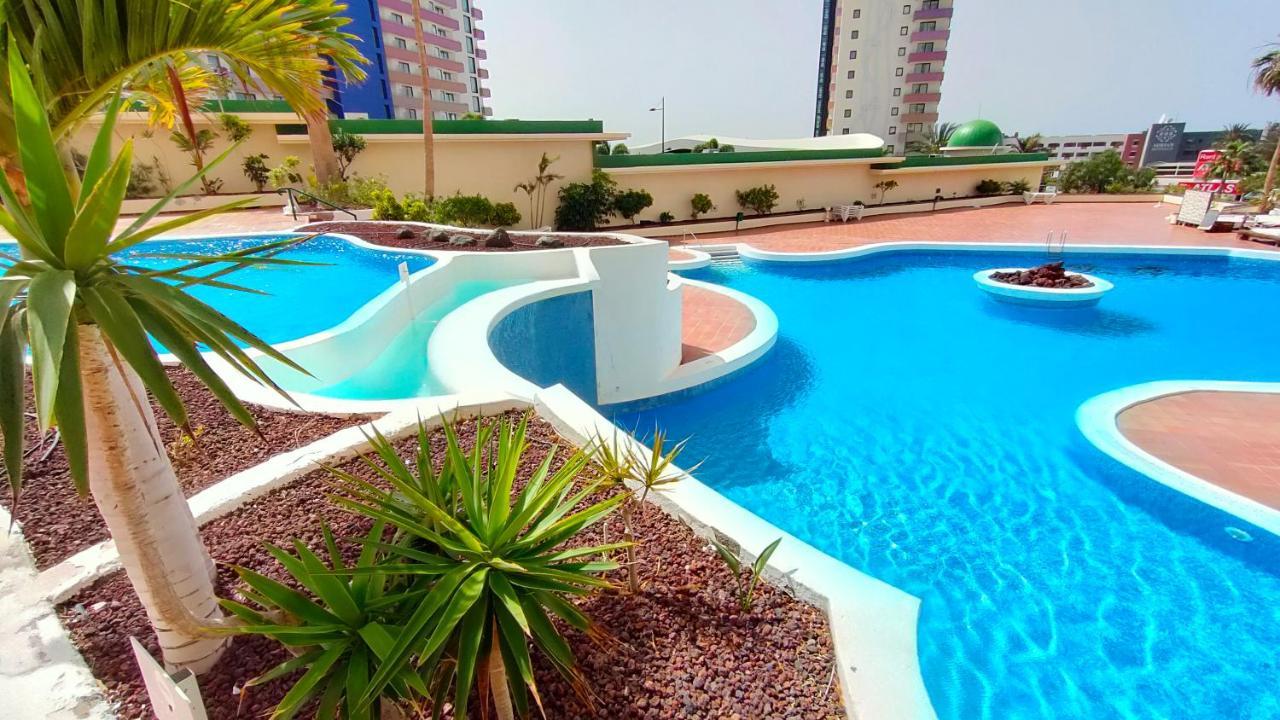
<point>387,234</point>
<point>683,651</point>
<point>57,522</point>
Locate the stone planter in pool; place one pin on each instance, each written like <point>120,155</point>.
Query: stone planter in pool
<point>1042,296</point>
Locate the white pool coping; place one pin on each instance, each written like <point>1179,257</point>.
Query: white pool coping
<point>1098,419</point>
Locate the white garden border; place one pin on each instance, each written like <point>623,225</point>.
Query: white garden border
<point>1042,296</point>
<point>1098,418</point>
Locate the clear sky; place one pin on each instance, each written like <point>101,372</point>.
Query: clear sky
<point>748,68</point>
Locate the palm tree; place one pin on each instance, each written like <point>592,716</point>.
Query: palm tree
<point>1266,79</point>
<point>285,45</point>
<point>1235,160</point>
<point>1232,133</point>
<point>428,133</point>
<point>932,139</point>
<point>1029,144</point>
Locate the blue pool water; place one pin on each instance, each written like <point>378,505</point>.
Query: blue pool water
<point>911,426</point>
<point>301,300</point>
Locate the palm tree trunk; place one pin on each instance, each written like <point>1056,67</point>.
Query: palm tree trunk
<point>323,158</point>
<point>1268,185</point>
<point>138,495</point>
<point>497,672</point>
<point>428,137</point>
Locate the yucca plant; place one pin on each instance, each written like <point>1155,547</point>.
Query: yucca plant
<point>487,559</point>
<point>85,315</point>
<point>339,629</point>
<point>745,588</point>
<point>619,462</point>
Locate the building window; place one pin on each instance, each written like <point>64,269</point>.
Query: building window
<point>475,103</point>
<point>451,116</point>
<point>848,113</point>
<point>246,96</point>
<point>927,26</point>
<point>853,54</point>
<point>466,22</point>
<point>915,127</point>
<point>450,97</point>
<point>403,67</point>
<point>850,75</point>
<point>920,88</point>
<point>929,4</point>
<point>446,75</point>
<point>915,108</point>
<point>1068,144</point>
<point>853,35</point>
<point>475,85</point>
<point>897,73</point>
<point>906,9</point>
<point>444,54</point>
<point>904,30</point>
<point>845,131</point>
<point>856,14</point>
<point>471,64</point>
<point>397,17</point>
<point>408,91</point>
<point>897,92</point>
<point>924,47</point>
<point>893,129</point>
<point>412,114</point>
<point>471,44</point>
<point>848,94</point>
<point>402,43</point>
<point>893,111</point>
<point>924,67</point>
<point>902,52</point>
<point>889,148</point>
<point>466,6</point>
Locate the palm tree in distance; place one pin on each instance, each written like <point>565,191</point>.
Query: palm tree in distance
<point>932,139</point>
<point>1266,80</point>
<point>1232,133</point>
<point>1235,160</point>
<point>1029,144</point>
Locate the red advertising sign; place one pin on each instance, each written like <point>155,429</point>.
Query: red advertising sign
<point>1203,161</point>
<point>1230,187</point>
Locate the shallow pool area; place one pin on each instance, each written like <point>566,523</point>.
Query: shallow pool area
<point>925,434</point>
<point>299,300</point>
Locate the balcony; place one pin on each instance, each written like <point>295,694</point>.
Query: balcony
<point>933,13</point>
<point>924,77</point>
<point>476,12</point>
<point>484,92</point>
<point>395,53</point>
<point>922,98</point>
<point>929,35</point>
<point>414,79</point>
<point>488,112</point>
<point>924,117</point>
<point>396,29</point>
<point>484,74</point>
<point>477,33</point>
<point>933,56</point>
<point>406,10</point>
<point>482,55</point>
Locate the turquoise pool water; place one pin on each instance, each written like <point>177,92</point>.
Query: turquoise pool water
<point>916,429</point>
<point>301,300</point>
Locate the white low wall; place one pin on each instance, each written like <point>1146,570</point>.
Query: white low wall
<point>191,203</point>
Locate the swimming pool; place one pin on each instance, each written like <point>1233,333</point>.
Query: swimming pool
<point>925,434</point>
<point>300,300</point>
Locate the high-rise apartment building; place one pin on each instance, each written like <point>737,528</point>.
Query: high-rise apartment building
<point>393,88</point>
<point>880,67</point>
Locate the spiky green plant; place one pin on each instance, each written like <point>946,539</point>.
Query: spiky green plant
<point>745,588</point>
<point>488,560</point>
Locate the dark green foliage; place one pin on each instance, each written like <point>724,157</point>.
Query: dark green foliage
<point>255,168</point>
<point>631,203</point>
<point>1105,172</point>
<point>989,187</point>
<point>761,199</point>
<point>583,206</point>
<point>701,204</point>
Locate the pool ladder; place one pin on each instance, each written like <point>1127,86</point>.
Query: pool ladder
<point>1061,243</point>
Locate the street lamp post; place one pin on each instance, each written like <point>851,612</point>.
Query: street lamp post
<point>662,107</point>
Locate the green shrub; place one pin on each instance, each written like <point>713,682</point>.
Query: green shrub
<point>346,146</point>
<point>1104,172</point>
<point>255,168</point>
<point>387,207</point>
<point>631,203</point>
<point>144,179</point>
<point>761,199</point>
<point>1017,187</point>
<point>666,217</point>
<point>621,149</point>
<point>464,210</point>
<point>701,204</point>
<point>286,174</point>
<point>504,215</point>
<point>417,209</point>
<point>989,187</point>
<point>235,128</point>
<point>583,206</point>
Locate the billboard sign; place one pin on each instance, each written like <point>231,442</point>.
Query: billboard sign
<point>1204,161</point>
<point>1163,143</point>
<point>1230,187</point>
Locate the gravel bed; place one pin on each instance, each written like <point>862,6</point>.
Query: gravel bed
<point>683,651</point>
<point>57,522</point>
<point>387,234</point>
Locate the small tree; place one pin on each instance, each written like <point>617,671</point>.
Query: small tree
<point>583,206</point>
<point>1104,173</point>
<point>235,128</point>
<point>197,146</point>
<point>701,204</point>
<point>884,186</point>
<point>631,203</point>
<point>255,168</point>
<point>346,146</point>
<point>621,149</point>
<point>762,199</point>
<point>988,187</point>
<point>286,174</point>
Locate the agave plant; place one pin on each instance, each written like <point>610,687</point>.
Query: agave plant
<point>485,563</point>
<point>85,315</point>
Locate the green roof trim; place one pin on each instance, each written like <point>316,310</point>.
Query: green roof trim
<point>458,127</point>
<point>914,161</point>
<point>246,106</point>
<point>728,158</point>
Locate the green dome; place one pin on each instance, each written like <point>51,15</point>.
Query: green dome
<point>976,133</point>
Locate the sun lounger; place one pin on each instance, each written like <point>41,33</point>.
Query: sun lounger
<point>844,212</point>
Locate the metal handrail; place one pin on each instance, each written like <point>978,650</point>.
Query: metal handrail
<point>293,203</point>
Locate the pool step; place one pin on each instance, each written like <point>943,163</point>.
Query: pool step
<point>722,254</point>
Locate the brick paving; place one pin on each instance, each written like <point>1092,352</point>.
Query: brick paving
<point>1231,439</point>
<point>712,322</point>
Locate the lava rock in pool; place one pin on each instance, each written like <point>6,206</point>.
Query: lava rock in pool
<point>498,239</point>
<point>546,241</point>
<point>406,234</point>
<point>440,236</point>
<point>462,241</point>
<point>1049,275</point>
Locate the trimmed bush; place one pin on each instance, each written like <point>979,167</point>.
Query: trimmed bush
<point>701,204</point>
<point>989,187</point>
<point>665,217</point>
<point>761,199</point>
<point>1017,187</point>
<point>631,203</point>
<point>583,206</point>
